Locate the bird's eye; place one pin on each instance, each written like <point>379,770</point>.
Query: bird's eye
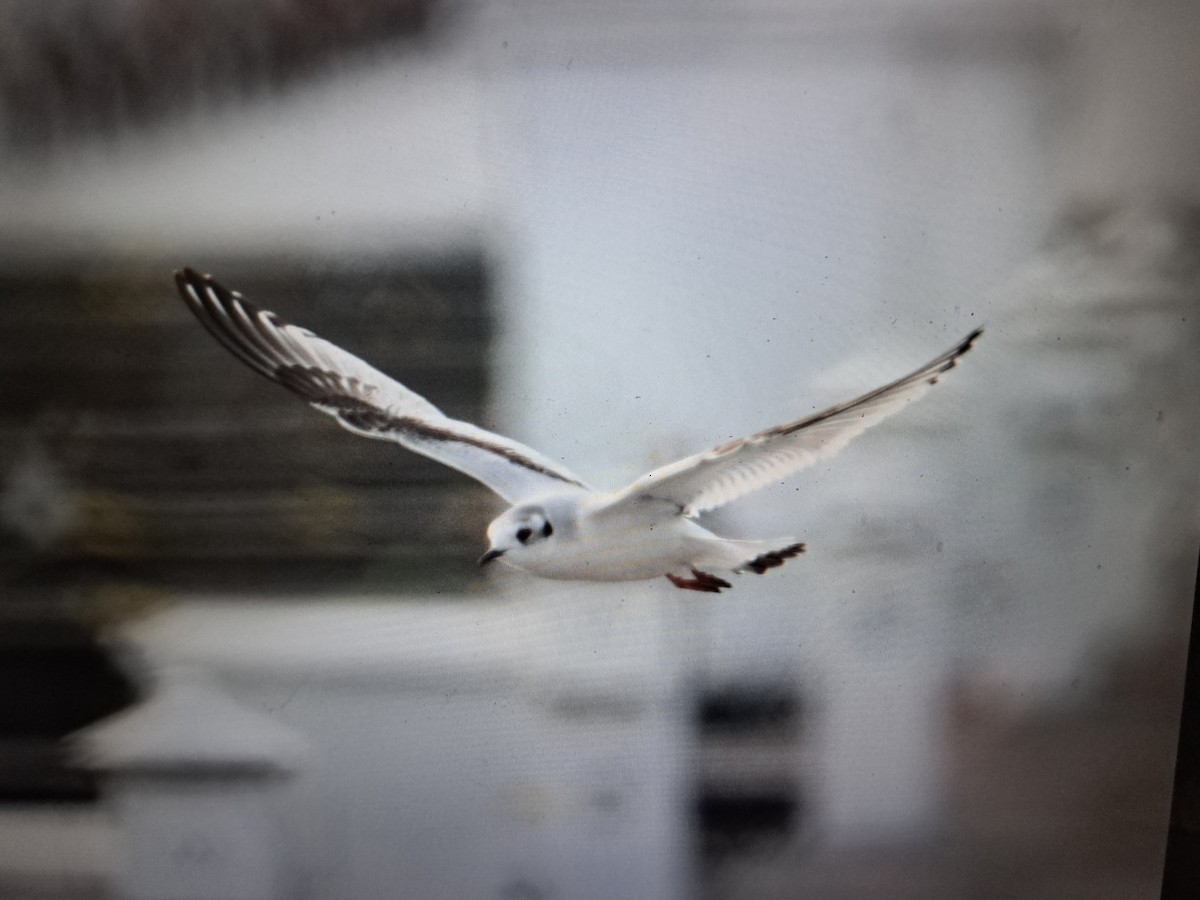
<point>523,534</point>
<point>547,530</point>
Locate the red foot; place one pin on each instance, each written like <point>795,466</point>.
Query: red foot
<point>703,581</point>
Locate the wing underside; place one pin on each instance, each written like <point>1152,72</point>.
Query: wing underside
<point>361,398</point>
<point>715,477</point>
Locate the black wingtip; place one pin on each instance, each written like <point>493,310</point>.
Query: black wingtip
<point>190,283</point>
<point>969,341</point>
<point>965,344</point>
<point>188,275</point>
<point>950,359</point>
<point>229,319</point>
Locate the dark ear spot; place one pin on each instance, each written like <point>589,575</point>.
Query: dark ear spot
<point>547,530</point>
<point>523,534</point>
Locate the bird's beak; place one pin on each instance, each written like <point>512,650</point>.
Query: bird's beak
<point>489,556</point>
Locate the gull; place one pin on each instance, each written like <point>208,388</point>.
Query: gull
<point>557,526</point>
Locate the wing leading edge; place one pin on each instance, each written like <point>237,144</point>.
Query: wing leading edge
<point>361,398</point>
<point>728,471</point>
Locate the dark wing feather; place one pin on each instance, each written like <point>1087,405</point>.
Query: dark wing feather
<point>363,399</point>
<point>724,473</point>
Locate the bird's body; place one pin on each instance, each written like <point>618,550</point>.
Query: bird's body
<point>594,544</point>
<point>598,538</point>
<point>558,527</point>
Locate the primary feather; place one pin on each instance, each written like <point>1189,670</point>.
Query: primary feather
<point>363,399</point>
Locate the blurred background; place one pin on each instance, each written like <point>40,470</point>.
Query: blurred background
<point>247,655</point>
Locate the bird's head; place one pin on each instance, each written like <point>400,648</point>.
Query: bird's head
<point>519,536</point>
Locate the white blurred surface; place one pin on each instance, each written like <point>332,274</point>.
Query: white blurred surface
<point>692,241</point>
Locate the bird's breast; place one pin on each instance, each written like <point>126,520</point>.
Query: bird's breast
<point>621,548</point>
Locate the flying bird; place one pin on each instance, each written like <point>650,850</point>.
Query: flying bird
<point>557,526</point>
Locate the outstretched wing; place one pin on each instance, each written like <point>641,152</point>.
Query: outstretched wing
<point>724,473</point>
<point>362,398</point>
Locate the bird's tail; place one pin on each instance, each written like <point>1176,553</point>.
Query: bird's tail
<point>752,556</point>
<point>770,558</point>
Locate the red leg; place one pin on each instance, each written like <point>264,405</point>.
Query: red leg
<point>702,581</point>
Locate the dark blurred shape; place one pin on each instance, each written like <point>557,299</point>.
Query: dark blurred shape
<point>56,680</point>
<point>746,800</point>
<point>740,709</point>
<point>741,822</point>
<point>1181,871</point>
<point>185,468</point>
<point>80,67</point>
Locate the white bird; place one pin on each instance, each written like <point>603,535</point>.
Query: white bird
<point>557,526</point>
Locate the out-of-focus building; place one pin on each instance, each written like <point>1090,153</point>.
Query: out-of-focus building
<point>619,235</point>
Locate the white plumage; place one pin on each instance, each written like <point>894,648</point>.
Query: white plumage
<point>558,527</point>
